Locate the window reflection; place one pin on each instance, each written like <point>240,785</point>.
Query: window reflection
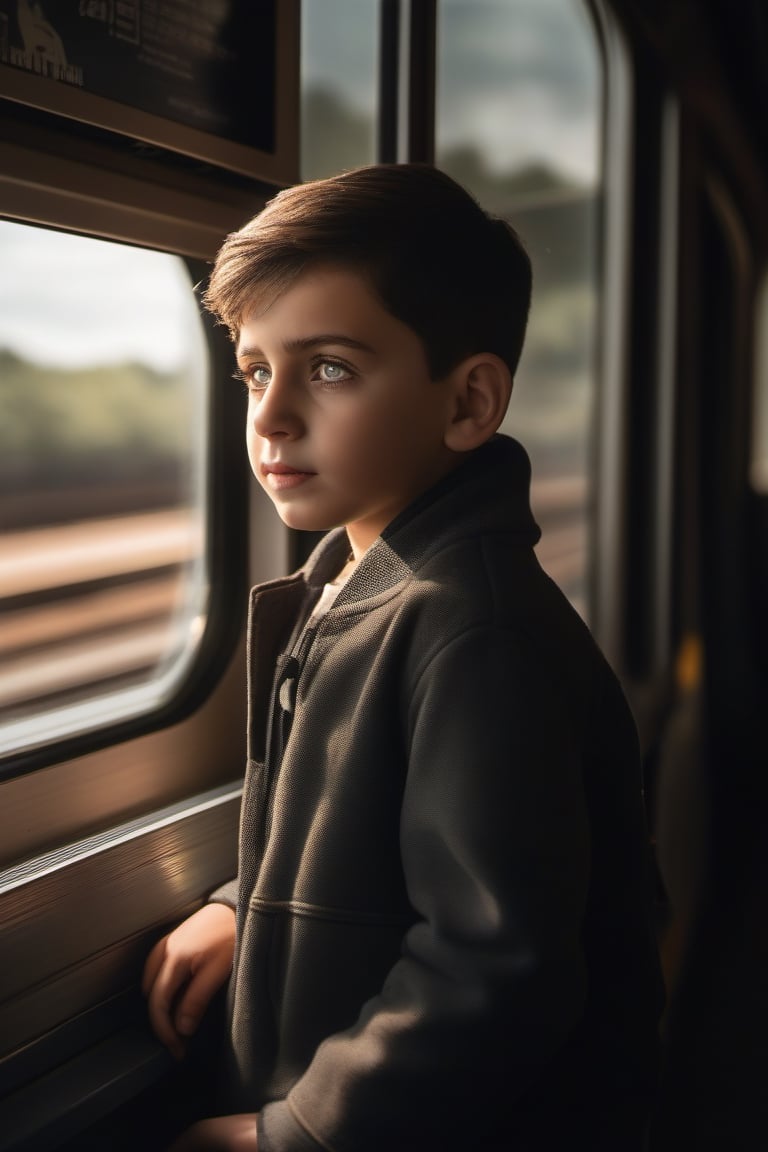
<point>517,123</point>
<point>103,385</point>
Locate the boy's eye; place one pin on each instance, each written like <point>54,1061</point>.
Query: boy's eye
<point>332,372</point>
<point>258,377</point>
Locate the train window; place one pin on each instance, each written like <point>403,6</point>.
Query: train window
<point>759,470</point>
<point>518,122</point>
<point>339,81</point>
<point>104,387</point>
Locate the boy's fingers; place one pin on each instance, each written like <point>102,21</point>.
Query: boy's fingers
<point>196,997</point>
<point>160,1005</point>
<point>184,970</point>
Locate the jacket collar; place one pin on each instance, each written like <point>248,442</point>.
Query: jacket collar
<point>489,492</point>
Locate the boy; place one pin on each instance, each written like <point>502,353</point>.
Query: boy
<point>440,935</point>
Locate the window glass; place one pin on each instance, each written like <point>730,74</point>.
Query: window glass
<point>518,120</point>
<point>760,423</point>
<point>103,390</point>
<point>339,85</point>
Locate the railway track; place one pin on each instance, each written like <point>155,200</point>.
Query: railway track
<point>99,602</point>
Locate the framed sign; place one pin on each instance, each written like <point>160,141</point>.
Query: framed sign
<point>218,80</point>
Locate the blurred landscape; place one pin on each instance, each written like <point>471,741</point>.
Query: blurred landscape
<point>77,443</point>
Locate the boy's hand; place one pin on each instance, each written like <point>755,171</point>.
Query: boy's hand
<point>184,970</point>
<point>223,1134</point>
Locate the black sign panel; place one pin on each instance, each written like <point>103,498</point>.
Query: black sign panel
<point>209,65</point>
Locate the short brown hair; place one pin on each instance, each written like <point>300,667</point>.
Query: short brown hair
<point>459,278</point>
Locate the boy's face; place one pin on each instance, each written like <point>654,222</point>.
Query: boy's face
<point>345,426</point>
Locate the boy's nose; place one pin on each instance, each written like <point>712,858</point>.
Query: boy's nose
<point>276,414</point>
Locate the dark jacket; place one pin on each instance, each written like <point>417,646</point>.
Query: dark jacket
<point>444,928</point>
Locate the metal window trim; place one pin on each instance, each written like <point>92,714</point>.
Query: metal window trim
<point>607,600</point>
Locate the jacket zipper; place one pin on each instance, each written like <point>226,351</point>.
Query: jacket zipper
<point>281,719</point>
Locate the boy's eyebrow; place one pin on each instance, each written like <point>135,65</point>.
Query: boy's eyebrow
<point>302,343</point>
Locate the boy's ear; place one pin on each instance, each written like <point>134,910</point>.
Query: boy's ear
<point>481,387</point>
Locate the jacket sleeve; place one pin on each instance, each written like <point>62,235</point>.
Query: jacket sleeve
<point>491,979</point>
<point>225,894</point>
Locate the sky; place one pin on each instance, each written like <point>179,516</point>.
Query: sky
<point>70,301</point>
<point>520,80</point>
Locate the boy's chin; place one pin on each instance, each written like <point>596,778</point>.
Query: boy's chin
<point>301,523</point>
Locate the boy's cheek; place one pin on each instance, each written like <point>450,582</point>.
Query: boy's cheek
<point>253,445</point>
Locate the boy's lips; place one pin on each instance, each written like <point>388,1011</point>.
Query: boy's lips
<point>279,476</point>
